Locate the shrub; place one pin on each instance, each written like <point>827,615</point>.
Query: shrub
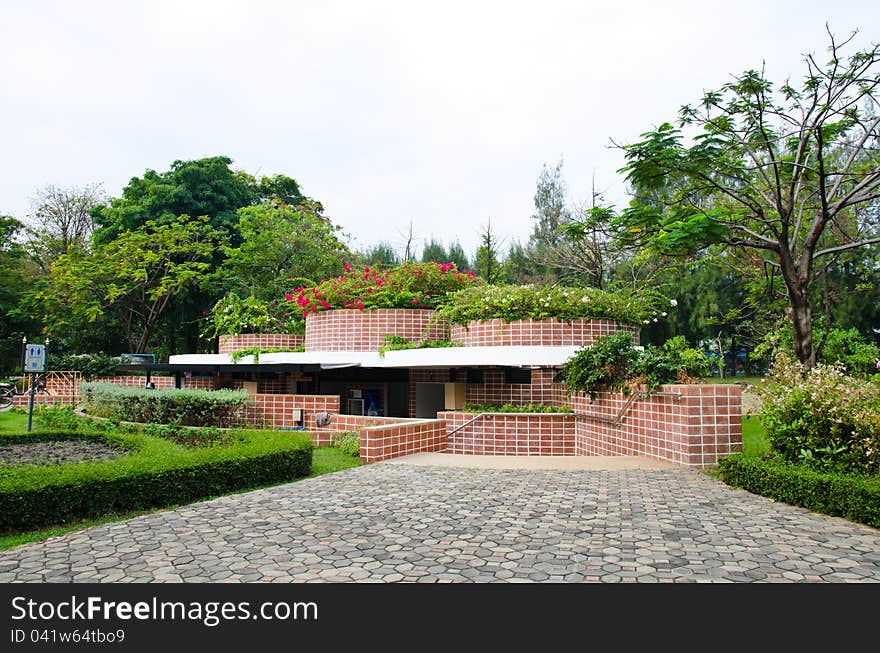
<point>612,363</point>
<point>88,365</point>
<point>233,315</point>
<point>411,285</point>
<point>511,408</point>
<point>846,347</point>
<point>188,407</point>
<point>821,417</point>
<point>532,302</point>
<point>155,474</point>
<point>856,498</point>
<point>348,443</point>
<point>397,343</point>
<point>256,351</point>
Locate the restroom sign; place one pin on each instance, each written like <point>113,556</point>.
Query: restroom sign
<point>35,358</point>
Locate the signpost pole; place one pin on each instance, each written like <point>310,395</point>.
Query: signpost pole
<point>31,402</point>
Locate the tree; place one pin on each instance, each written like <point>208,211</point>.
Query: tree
<point>133,277</point>
<point>280,245</point>
<point>434,251</point>
<point>61,221</point>
<point>550,205</point>
<point>487,264</point>
<point>380,253</point>
<point>458,256</point>
<point>792,173</point>
<point>15,281</point>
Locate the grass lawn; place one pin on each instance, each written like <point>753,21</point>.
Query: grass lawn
<point>755,442</point>
<point>324,461</point>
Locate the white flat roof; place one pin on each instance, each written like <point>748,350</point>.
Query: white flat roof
<point>429,357</point>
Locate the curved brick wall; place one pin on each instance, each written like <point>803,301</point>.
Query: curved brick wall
<point>230,344</point>
<point>353,330</point>
<point>551,333</point>
<point>511,434</point>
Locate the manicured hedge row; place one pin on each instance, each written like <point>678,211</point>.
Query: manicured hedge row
<point>155,474</point>
<point>188,406</point>
<point>855,498</point>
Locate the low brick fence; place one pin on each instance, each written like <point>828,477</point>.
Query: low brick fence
<point>510,434</point>
<point>402,439</point>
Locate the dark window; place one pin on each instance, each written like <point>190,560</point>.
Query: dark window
<point>517,375</point>
<point>474,375</point>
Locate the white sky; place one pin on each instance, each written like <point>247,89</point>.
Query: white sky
<point>388,112</point>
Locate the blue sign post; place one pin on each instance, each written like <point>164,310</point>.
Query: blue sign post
<point>34,363</point>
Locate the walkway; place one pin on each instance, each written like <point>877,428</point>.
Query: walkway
<point>400,522</point>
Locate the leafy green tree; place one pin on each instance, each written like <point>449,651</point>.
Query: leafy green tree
<point>457,255</point>
<point>434,251</point>
<point>487,263</point>
<point>15,280</point>
<point>132,278</point>
<point>62,221</point>
<point>282,247</point>
<point>380,253</point>
<point>791,173</point>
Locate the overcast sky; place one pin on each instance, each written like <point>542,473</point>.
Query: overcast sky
<point>387,112</point>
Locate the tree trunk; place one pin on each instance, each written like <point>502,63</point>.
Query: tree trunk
<point>802,320</point>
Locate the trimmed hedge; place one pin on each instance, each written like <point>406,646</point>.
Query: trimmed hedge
<point>156,473</point>
<point>856,498</point>
<point>188,406</point>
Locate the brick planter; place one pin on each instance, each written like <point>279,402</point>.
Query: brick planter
<point>510,434</point>
<point>353,330</point>
<point>582,332</point>
<point>232,344</point>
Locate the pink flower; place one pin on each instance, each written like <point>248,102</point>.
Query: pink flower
<point>416,271</point>
<point>360,307</point>
<point>347,267</point>
<point>325,303</point>
<point>305,313</point>
<point>288,296</point>
<point>415,301</point>
<point>284,315</point>
<point>204,312</point>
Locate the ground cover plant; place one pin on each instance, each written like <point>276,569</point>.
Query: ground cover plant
<point>410,285</point>
<point>188,407</point>
<point>512,408</point>
<point>534,302</point>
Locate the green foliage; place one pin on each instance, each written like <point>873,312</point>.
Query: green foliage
<point>233,315</point>
<point>58,417</point>
<point>511,408</point>
<point>612,363</point>
<point>204,436</point>
<point>15,283</point>
<point>133,277</point>
<point>822,417</point>
<point>410,285</point>
<point>256,351</point>
<point>530,302</point>
<point>396,343</point>
<point>856,498</point>
<point>348,443</point>
<point>845,347</point>
<point>88,365</point>
<point>187,407</point>
<point>156,473</point>
<point>282,243</point>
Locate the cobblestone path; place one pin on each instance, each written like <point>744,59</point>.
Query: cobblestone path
<point>391,523</point>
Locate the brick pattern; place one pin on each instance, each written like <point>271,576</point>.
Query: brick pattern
<point>276,410</point>
<point>199,383</point>
<point>267,386</point>
<point>550,333</point>
<point>62,392</point>
<point>161,382</point>
<point>695,430</point>
<point>353,330</point>
<point>231,344</point>
<point>384,442</point>
<point>511,434</point>
<point>493,390</point>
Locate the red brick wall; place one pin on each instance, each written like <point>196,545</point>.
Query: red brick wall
<point>550,333</point>
<point>695,430</point>
<point>353,330</point>
<point>230,344</point>
<point>493,390</point>
<point>160,382</point>
<point>511,434</point>
<point>276,411</point>
<point>384,442</point>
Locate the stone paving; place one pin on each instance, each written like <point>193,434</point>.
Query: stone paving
<point>393,523</point>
